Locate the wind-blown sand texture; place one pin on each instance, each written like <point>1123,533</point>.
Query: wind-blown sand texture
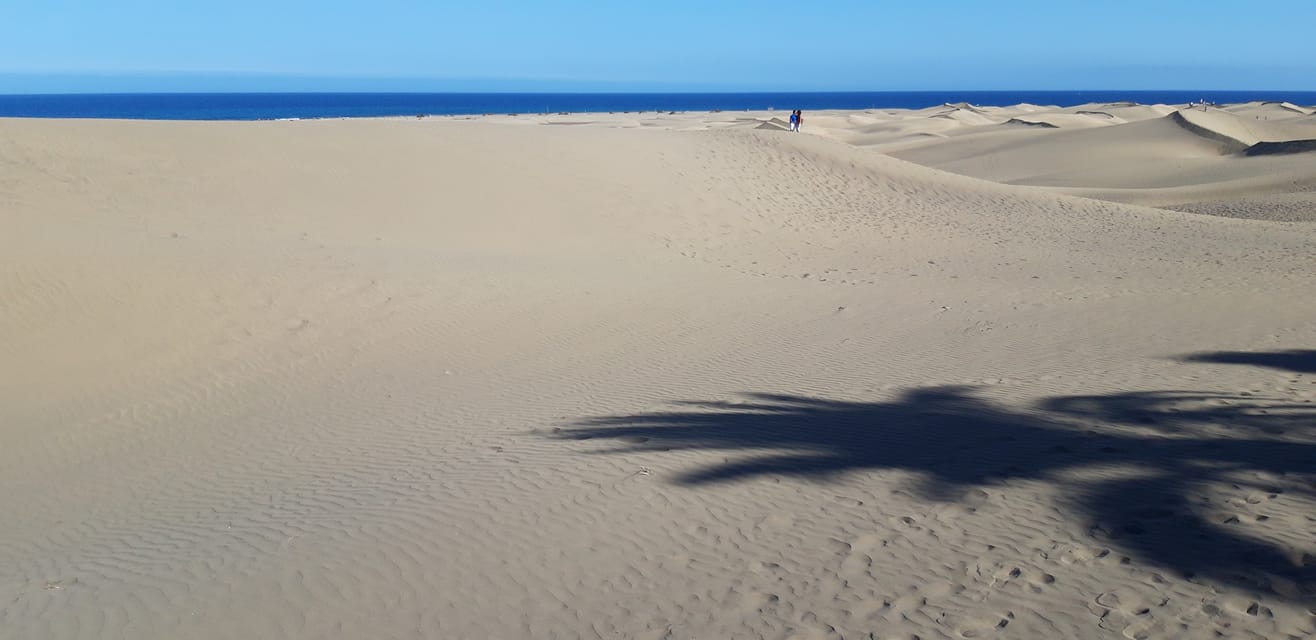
<point>661,376</point>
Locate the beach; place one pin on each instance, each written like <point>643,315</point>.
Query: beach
<point>1026,372</point>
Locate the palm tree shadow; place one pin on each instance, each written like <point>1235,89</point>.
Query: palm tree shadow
<point>1173,444</point>
<point>1295,360</point>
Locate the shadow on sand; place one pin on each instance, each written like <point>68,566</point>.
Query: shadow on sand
<point>1169,447</point>
<point>1296,360</point>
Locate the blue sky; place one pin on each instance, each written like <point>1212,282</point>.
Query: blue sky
<point>665,45</point>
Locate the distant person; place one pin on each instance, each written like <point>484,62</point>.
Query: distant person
<point>799,120</point>
<point>795,120</point>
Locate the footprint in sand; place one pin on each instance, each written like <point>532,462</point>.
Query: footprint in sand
<point>982,626</point>
<point>1039,581</point>
<point>1248,608</point>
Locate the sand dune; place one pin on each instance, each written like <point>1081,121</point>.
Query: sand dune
<point>964,116</point>
<point>1239,130</point>
<point>1132,154</point>
<point>649,376</point>
<point>1127,111</point>
<point>1080,120</point>
<point>1270,110</point>
<point>1230,159</point>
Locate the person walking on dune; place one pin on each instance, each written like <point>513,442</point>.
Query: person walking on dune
<point>799,120</point>
<point>795,120</point>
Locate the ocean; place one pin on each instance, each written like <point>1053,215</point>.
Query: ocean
<point>272,106</point>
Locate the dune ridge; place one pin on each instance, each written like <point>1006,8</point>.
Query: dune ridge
<point>1219,160</point>
<point>1235,137</point>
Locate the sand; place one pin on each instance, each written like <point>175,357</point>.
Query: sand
<point>1231,161</point>
<point>660,376</point>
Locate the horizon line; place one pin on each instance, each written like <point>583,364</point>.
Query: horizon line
<point>642,91</point>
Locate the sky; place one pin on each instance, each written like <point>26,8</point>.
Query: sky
<point>59,46</point>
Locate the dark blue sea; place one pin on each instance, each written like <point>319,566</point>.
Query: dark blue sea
<point>271,106</point>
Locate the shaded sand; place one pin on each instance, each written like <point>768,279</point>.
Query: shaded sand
<point>650,376</point>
